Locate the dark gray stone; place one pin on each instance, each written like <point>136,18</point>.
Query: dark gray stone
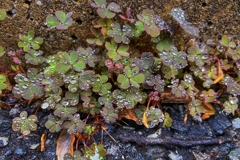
<point>20,150</point>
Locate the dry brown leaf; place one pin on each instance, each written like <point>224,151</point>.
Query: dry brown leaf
<point>64,144</point>
<point>43,139</point>
<point>128,114</point>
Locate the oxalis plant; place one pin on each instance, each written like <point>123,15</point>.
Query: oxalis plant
<point>130,63</point>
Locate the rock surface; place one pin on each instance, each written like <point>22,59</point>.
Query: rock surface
<point>214,17</point>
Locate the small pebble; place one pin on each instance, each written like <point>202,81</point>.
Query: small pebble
<point>20,150</point>
<point>236,123</point>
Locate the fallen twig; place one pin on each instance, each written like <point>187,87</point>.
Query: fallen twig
<point>173,141</point>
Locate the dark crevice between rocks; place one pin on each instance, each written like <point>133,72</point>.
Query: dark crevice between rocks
<point>11,12</point>
<point>79,21</point>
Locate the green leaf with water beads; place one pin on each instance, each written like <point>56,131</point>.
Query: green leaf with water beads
<point>64,111</point>
<point>74,125</point>
<point>174,58</point>
<point>52,98</point>
<point>231,105</point>
<point>96,151</point>
<point>53,82</point>
<point>72,60</point>
<point>3,84</point>
<point>208,96</point>
<point>54,123</point>
<point>138,29</point>
<point>89,130</point>
<point>115,51</point>
<point>198,54</point>
<point>196,107</point>
<point>128,98</point>
<point>233,87</point>
<point>154,116</point>
<point>3,14</point>
<point>169,71</point>
<point>34,57</point>
<point>178,15</point>
<point>106,100</point>
<point>29,42</point>
<point>130,77</point>
<point>177,89</point>
<point>110,114</point>
<point>61,20</point>
<point>72,97</point>
<point>86,79</point>
<point>104,10</point>
<point>150,27</point>
<point>89,56</point>
<point>121,34</point>
<point>24,123</point>
<point>29,86</point>
<point>93,106</point>
<point>95,37</point>
<point>101,85</point>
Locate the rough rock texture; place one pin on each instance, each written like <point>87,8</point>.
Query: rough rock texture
<point>214,17</point>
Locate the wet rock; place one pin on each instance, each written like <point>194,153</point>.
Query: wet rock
<point>224,149</point>
<point>236,123</point>
<point>218,123</point>
<point>7,153</point>
<point>11,100</point>
<point>20,150</point>
<point>5,124</point>
<point>2,157</point>
<point>234,154</point>
<point>3,141</point>
<point>197,131</point>
<point>180,125</point>
<point>174,156</point>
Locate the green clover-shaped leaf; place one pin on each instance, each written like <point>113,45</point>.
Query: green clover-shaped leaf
<point>174,58</point>
<point>89,55</point>
<point>121,34</point>
<point>54,123</point>
<point>3,84</point>
<point>198,54</point>
<point>231,105</point>
<point>101,85</point>
<point>72,60</point>
<point>29,42</point>
<point>61,20</point>
<point>130,78</point>
<point>34,57</point>
<point>109,114</point>
<point>75,125</point>
<point>208,96</point>
<point>154,116</point>
<point>24,123</point>
<point>165,45</point>
<point>150,27</point>
<point>196,107</point>
<point>104,10</point>
<point>29,86</point>
<point>64,111</point>
<point>96,37</point>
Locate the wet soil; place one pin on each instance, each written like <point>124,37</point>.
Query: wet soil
<point>135,142</point>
